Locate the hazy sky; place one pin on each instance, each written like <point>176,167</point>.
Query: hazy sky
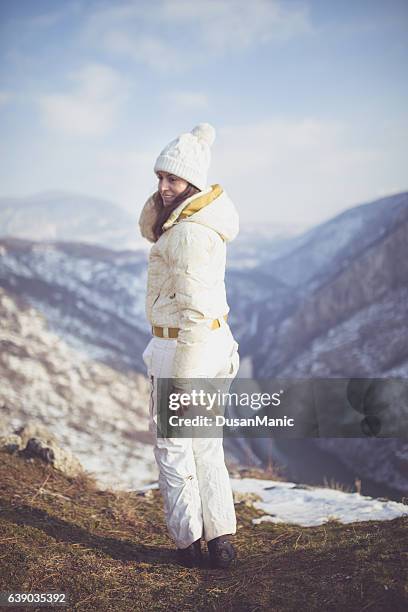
<point>309,99</point>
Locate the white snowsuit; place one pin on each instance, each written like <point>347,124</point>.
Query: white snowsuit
<point>186,289</point>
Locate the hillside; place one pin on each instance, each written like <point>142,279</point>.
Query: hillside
<point>91,296</point>
<point>60,215</point>
<point>331,302</point>
<point>328,303</point>
<point>110,550</point>
<point>347,312</point>
<point>96,411</point>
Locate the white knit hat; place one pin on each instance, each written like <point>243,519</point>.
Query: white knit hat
<point>189,155</point>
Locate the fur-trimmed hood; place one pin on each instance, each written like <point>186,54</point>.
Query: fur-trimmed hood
<point>212,208</point>
<point>186,273</point>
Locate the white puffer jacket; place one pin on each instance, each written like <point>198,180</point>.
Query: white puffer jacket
<point>185,283</point>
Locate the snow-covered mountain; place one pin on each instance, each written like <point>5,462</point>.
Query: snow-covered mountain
<point>329,303</point>
<point>330,246</point>
<point>58,215</point>
<point>91,296</point>
<point>96,412</point>
<point>335,303</point>
<point>61,216</point>
<point>259,244</point>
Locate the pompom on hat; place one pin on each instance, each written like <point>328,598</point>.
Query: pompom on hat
<point>189,156</point>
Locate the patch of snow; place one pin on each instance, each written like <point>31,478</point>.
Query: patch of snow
<point>287,502</point>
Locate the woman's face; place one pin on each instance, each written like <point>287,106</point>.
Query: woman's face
<point>170,186</point>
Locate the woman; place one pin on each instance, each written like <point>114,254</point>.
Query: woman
<point>189,224</point>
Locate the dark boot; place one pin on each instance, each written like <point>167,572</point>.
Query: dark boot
<point>221,551</point>
<point>190,556</point>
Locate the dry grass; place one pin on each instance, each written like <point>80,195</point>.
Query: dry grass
<point>110,550</point>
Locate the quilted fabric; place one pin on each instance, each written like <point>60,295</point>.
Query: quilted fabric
<point>186,270</point>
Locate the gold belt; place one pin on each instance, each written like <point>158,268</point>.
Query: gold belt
<point>172,332</point>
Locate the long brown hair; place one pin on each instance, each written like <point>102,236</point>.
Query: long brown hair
<point>165,211</point>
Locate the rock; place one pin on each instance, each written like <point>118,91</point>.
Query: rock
<point>36,430</point>
<point>247,499</point>
<point>34,440</point>
<point>62,460</point>
<point>11,443</point>
<point>148,493</point>
<point>35,447</point>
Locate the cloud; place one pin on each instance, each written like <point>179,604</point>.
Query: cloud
<point>150,50</point>
<point>186,100</point>
<point>283,171</point>
<point>235,24</point>
<point>90,108</point>
<point>280,171</point>
<point>129,30</point>
<point>178,34</point>
<point>296,171</point>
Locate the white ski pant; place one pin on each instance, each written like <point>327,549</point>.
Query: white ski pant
<point>193,478</point>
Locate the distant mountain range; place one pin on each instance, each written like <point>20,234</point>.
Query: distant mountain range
<point>332,302</point>
<point>337,304</point>
<point>92,297</point>
<point>58,215</point>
